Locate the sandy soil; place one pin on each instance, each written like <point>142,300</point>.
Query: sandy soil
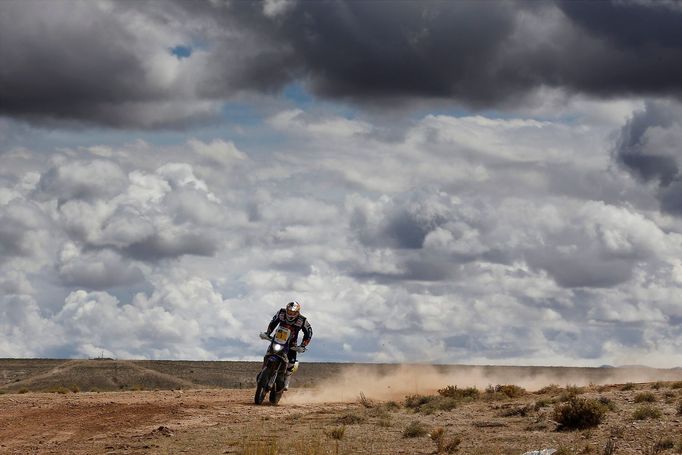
<point>220,421</point>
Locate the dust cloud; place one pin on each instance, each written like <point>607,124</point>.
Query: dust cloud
<point>394,382</point>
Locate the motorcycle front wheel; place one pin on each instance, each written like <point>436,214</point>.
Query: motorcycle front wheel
<point>262,386</point>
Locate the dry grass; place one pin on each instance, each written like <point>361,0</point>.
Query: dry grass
<point>646,411</point>
<point>645,397</point>
<point>443,443</point>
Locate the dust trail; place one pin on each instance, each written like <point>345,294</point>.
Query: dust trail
<point>383,382</point>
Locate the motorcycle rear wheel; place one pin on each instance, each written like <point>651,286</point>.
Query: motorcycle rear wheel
<point>275,396</point>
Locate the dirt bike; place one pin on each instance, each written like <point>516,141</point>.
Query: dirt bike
<point>273,374</point>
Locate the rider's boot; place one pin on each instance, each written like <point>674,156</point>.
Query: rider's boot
<point>287,378</point>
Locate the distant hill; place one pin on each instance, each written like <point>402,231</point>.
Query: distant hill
<point>90,375</point>
<point>111,375</point>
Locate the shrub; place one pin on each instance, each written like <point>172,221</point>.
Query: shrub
<point>657,385</point>
<point>336,432</point>
<point>392,405</point>
<point>543,403</point>
<point>579,414</point>
<point>679,408</point>
<point>608,403</point>
<point>351,418</point>
<point>628,386</point>
<point>646,412</point>
<point>511,390</point>
<point>414,401</point>
<point>645,397</point>
<point>517,411</point>
<point>437,435</point>
<point>678,446</point>
<point>551,389</point>
<point>575,390</point>
<point>664,444</point>
<point>74,388</point>
<point>428,404</point>
<point>385,422</point>
<point>22,390</point>
<point>459,394</point>
<point>364,401</point>
<point>676,385</point>
<point>610,447</point>
<point>442,445</point>
<point>415,429</point>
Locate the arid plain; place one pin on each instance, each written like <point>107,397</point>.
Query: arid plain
<point>159,407</point>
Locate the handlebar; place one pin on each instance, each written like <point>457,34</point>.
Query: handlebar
<point>265,336</point>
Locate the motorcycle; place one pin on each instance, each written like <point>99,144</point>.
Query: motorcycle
<point>273,374</point>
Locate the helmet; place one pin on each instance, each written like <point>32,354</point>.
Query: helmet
<point>293,310</point>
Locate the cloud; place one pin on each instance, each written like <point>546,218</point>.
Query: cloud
<point>95,270</point>
<point>72,62</point>
<point>83,180</point>
<point>98,65</point>
<point>464,238</point>
<point>648,147</point>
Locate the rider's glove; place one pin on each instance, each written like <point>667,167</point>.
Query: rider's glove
<point>302,348</point>
<point>264,336</point>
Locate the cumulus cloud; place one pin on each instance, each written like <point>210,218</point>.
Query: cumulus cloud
<point>464,238</point>
<point>648,146</point>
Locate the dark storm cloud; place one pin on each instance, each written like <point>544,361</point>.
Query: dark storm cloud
<point>94,62</point>
<point>476,54</point>
<point>648,146</point>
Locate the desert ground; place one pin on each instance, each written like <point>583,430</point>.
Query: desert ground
<point>148,407</point>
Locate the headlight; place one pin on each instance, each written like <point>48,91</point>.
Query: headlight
<point>276,347</point>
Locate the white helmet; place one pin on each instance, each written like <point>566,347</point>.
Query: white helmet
<point>293,310</point>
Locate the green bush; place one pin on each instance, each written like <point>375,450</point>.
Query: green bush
<point>646,412</point>
<point>645,397</point>
<point>415,429</point>
<point>579,414</point>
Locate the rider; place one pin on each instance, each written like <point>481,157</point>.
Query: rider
<point>291,318</point>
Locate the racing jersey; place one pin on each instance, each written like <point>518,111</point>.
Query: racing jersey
<point>300,323</point>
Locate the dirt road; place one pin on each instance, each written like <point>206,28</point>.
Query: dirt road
<point>221,421</point>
